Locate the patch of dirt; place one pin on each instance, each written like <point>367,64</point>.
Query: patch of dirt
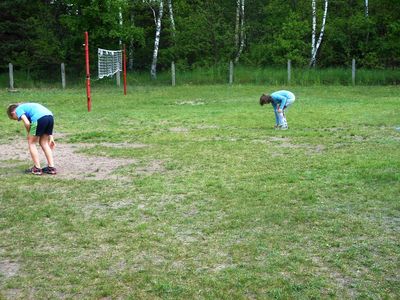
<point>73,165</point>
<point>155,166</point>
<point>191,102</point>
<point>271,139</point>
<point>278,139</point>
<point>122,145</point>
<point>121,204</point>
<point>99,209</point>
<point>207,127</point>
<point>345,283</point>
<point>317,149</point>
<point>186,238</point>
<point>286,143</point>
<point>220,267</point>
<point>11,294</point>
<point>8,268</point>
<point>179,129</point>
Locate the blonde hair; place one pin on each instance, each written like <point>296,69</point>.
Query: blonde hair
<point>11,108</point>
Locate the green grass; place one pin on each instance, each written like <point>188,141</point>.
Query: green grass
<point>240,211</point>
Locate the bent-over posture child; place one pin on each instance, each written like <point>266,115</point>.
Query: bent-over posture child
<point>39,123</point>
<point>280,101</point>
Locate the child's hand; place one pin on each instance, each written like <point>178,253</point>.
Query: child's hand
<point>52,143</point>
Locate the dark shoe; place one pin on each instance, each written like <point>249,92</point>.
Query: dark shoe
<point>50,170</point>
<point>34,170</point>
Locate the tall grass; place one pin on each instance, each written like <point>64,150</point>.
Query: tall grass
<point>219,74</point>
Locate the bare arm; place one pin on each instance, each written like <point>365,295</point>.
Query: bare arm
<point>27,124</point>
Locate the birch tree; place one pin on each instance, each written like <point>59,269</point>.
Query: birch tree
<point>239,29</point>
<point>237,24</point>
<point>368,22</point>
<point>171,17</point>
<point>316,44</point>
<point>157,19</point>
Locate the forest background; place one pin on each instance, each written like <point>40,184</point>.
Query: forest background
<point>37,35</point>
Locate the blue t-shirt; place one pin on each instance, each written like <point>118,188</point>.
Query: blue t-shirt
<point>33,111</point>
<point>281,97</point>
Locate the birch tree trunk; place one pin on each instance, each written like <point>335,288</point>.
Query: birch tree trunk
<point>171,17</point>
<point>368,28</point>
<point>314,28</point>
<point>316,46</point>
<point>237,24</point>
<point>121,21</point>
<point>321,34</point>
<point>240,8</point>
<point>153,70</point>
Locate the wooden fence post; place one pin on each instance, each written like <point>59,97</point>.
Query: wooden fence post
<point>231,72</point>
<point>118,77</point>
<point>289,70</point>
<point>173,73</point>
<point>63,82</point>
<point>353,71</point>
<point>11,75</point>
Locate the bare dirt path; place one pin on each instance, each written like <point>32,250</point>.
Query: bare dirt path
<point>70,164</point>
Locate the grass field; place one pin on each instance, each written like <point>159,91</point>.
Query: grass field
<point>212,203</point>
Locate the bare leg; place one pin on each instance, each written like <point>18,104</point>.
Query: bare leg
<point>32,140</point>
<point>44,143</point>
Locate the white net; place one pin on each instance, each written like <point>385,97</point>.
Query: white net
<point>110,62</point>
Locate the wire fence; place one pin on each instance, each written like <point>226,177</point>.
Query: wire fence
<point>65,76</point>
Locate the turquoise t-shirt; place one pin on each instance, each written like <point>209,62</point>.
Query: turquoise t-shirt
<point>281,97</point>
<point>33,111</point>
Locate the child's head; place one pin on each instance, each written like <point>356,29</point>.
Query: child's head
<point>11,111</point>
<point>265,99</point>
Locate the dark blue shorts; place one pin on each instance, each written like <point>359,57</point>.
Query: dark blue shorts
<point>43,126</point>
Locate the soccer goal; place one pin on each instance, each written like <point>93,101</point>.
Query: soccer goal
<point>110,62</point>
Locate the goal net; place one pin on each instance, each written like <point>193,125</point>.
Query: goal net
<point>110,62</point>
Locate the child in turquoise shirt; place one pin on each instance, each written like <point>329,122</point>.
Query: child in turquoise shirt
<point>39,123</point>
<point>280,101</point>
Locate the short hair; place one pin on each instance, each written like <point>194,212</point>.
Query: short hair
<point>11,108</point>
<point>265,99</point>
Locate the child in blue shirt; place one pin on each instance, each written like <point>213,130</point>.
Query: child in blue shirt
<point>39,123</point>
<point>280,101</point>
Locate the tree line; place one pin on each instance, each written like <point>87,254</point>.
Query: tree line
<point>37,35</point>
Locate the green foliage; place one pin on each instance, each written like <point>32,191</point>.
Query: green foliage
<point>26,38</point>
<point>288,43</point>
<point>38,35</point>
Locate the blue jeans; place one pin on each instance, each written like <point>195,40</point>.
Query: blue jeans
<point>280,118</point>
